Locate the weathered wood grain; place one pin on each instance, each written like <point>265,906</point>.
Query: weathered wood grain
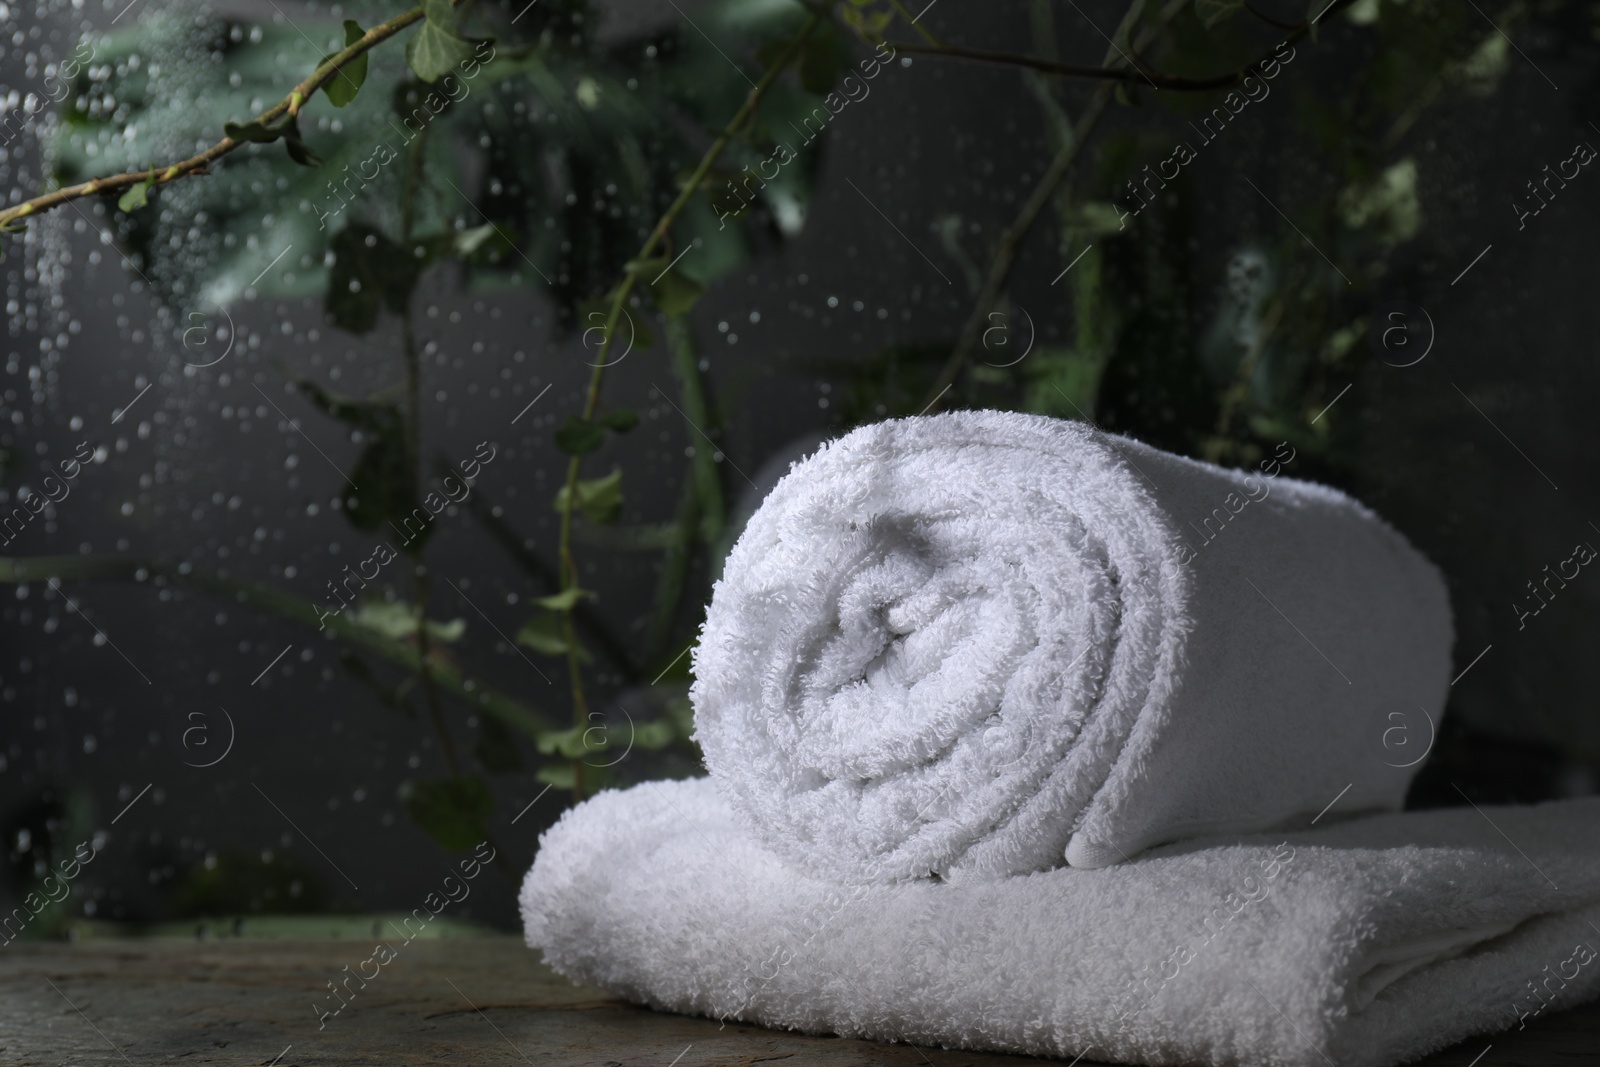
<point>478,1001</point>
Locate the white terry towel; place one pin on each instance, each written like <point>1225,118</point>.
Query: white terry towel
<point>1362,944</point>
<point>978,643</point>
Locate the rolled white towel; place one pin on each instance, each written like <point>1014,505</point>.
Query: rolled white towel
<point>981,642</point>
<point>1362,944</point>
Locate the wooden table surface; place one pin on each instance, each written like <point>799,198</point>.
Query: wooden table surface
<point>478,1001</point>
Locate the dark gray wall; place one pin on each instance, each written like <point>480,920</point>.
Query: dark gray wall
<point>200,469</point>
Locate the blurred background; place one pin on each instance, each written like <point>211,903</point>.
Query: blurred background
<point>289,621</point>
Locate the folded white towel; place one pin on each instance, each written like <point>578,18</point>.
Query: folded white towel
<point>976,643</point>
<point>1361,944</point>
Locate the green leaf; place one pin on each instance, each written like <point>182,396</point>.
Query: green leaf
<point>565,600</point>
<point>544,633</point>
<point>1062,381</point>
<point>251,131</point>
<point>436,49</point>
<point>449,632</point>
<point>675,294</point>
<point>383,492</point>
<point>620,421</point>
<point>647,267</point>
<point>369,272</point>
<point>573,743</point>
<point>465,242</point>
<point>653,735</point>
<point>600,499</point>
<point>1387,206</point>
<point>137,196</point>
<point>301,152</point>
<point>454,812</point>
<point>1211,12</point>
<point>204,256</point>
<point>342,88</point>
<point>287,131</point>
<point>1097,218</point>
<point>579,437</point>
<point>399,621</point>
<point>559,775</point>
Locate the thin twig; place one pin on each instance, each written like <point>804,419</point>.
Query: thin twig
<point>1136,74</point>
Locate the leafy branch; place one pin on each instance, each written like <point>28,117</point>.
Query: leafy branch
<point>347,64</point>
<point>1010,242</point>
<point>572,494</point>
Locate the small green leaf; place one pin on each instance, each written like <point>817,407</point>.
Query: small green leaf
<point>436,49</point>
<point>389,618</point>
<point>399,621</point>
<point>454,812</point>
<point>466,242</point>
<point>544,633</point>
<point>347,81</point>
<point>653,735</point>
<point>447,631</point>
<point>287,131</point>
<point>137,196</point>
<point>579,437</point>
<point>620,421</point>
<point>565,600</point>
<point>252,131</point>
<point>600,499</point>
<point>647,267</point>
<point>573,743</point>
<point>301,152</point>
<point>559,775</point>
<point>1098,218</point>
<point>675,294</point>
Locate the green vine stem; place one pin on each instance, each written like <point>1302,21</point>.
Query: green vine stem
<point>691,389</point>
<point>482,508</point>
<point>508,710</point>
<point>619,299</point>
<point>701,511</point>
